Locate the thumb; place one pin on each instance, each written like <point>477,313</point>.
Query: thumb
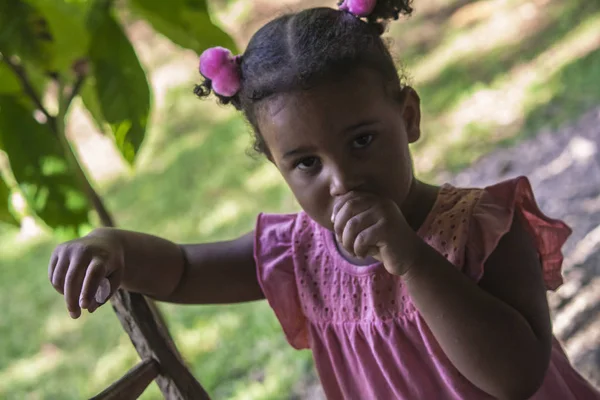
<point>374,252</point>
<point>104,291</point>
<point>108,286</point>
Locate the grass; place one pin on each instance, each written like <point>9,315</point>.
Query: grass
<point>194,183</point>
<point>515,69</point>
<point>46,355</point>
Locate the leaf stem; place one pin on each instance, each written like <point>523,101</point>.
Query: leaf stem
<point>19,70</point>
<point>57,126</point>
<point>64,102</point>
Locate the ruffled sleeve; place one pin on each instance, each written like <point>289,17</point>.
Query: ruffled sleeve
<point>492,218</point>
<point>274,256</point>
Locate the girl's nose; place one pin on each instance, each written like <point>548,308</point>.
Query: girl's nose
<point>343,180</point>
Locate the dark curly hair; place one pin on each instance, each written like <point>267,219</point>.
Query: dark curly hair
<point>298,51</point>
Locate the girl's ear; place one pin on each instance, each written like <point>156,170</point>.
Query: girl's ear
<point>411,113</point>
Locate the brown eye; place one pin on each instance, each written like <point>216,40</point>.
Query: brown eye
<point>307,163</point>
<point>362,141</point>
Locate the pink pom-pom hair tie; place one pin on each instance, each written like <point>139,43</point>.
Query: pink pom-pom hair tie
<point>222,68</point>
<point>359,8</point>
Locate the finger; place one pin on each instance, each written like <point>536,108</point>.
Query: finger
<point>107,288</point>
<point>115,280</point>
<point>59,273</point>
<point>351,208</point>
<point>365,242</point>
<point>355,226</point>
<point>341,201</point>
<point>52,263</point>
<point>95,273</point>
<point>103,294</point>
<point>73,284</point>
<point>93,306</point>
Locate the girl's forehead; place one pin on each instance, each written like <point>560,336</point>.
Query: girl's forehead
<point>289,121</point>
<point>331,106</point>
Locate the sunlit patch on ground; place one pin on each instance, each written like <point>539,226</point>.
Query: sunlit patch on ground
<point>32,369</point>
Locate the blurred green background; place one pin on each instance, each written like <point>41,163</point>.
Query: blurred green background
<point>489,73</point>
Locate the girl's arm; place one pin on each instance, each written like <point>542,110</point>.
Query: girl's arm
<point>498,333</point>
<point>210,273</point>
<point>222,272</point>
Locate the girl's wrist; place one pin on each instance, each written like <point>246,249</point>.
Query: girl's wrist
<point>410,254</point>
<point>422,262</point>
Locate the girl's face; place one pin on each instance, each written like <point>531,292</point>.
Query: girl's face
<point>347,135</point>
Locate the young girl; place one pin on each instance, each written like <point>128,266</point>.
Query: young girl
<point>402,290</point>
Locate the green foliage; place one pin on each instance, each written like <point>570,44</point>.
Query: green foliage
<point>187,23</point>
<point>40,167</point>
<point>78,45</point>
<point>118,79</point>
<point>89,96</point>
<point>8,81</point>
<point>25,33</point>
<point>66,22</point>
<point>5,215</point>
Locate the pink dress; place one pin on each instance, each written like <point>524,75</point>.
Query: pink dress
<point>367,338</point>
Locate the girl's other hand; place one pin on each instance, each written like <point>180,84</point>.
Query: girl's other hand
<point>87,271</point>
<point>366,225</point>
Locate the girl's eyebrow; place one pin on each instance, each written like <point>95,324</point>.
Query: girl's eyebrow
<point>360,124</point>
<point>349,129</point>
<point>299,150</point>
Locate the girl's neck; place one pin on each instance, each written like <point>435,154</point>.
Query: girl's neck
<point>418,203</point>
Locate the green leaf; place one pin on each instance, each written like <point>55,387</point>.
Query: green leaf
<point>185,22</point>
<point>25,33</point>
<point>9,83</point>
<point>121,87</point>
<point>66,22</point>
<point>5,214</point>
<point>39,166</point>
<point>92,104</point>
<point>51,34</point>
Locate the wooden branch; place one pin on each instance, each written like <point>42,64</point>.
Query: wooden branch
<point>151,340</point>
<point>19,70</point>
<point>133,383</point>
